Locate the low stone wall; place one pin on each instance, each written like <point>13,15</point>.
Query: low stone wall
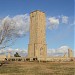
<point>16,59</point>
<point>39,59</point>
<point>52,59</point>
<point>2,57</point>
<point>58,59</point>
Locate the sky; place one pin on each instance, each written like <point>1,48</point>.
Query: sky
<point>60,21</point>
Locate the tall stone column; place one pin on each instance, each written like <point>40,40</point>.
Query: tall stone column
<point>37,42</point>
<point>70,53</point>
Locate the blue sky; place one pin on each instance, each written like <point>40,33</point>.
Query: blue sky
<point>63,35</point>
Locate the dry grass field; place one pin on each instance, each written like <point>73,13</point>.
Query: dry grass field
<point>36,68</point>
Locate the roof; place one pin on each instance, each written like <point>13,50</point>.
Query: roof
<point>36,11</point>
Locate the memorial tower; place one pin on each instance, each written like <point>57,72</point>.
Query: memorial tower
<point>37,42</point>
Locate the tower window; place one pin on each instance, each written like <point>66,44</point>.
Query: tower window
<point>32,16</point>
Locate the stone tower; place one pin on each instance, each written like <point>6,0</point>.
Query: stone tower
<point>70,53</point>
<point>9,55</point>
<point>37,44</point>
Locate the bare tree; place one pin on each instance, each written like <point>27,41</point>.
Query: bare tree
<point>7,35</point>
<point>13,28</point>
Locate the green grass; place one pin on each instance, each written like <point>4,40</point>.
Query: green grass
<point>35,68</point>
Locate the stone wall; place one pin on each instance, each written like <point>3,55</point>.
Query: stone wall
<point>2,57</point>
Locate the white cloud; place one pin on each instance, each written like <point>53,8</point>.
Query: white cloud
<point>65,19</point>
<point>51,52</point>
<point>22,52</point>
<point>54,22</point>
<point>19,22</point>
<point>72,24</point>
<point>58,52</point>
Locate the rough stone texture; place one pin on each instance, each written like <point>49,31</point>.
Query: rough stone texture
<point>37,43</point>
<point>54,59</point>
<point>70,53</point>
<point>9,55</point>
<point>2,57</point>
